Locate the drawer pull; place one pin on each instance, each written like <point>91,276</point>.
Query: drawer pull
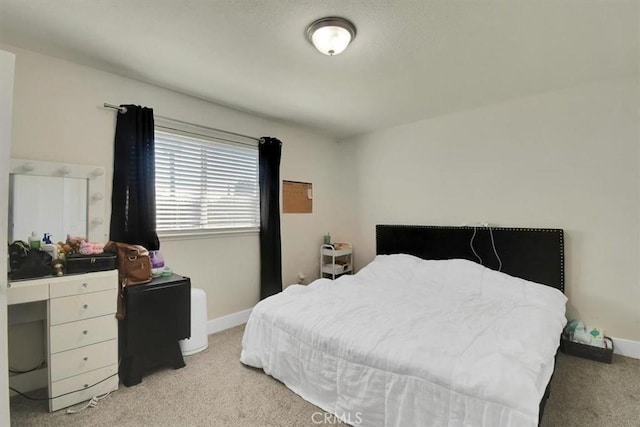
<point>85,332</point>
<point>84,307</point>
<point>85,358</point>
<point>86,386</point>
<point>84,285</point>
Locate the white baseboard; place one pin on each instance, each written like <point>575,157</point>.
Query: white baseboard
<point>625,347</point>
<point>227,322</point>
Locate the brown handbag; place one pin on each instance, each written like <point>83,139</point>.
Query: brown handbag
<point>134,268</point>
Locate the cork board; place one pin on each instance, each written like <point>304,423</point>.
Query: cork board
<point>297,197</point>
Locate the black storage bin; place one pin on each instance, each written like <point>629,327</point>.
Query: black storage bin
<point>158,316</point>
<point>604,355</point>
<point>77,263</point>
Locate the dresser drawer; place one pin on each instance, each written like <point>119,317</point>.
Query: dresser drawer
<point>83,283</point>
<point>79,307</point>
<point>84,359</point>
<point>72,335</point>
<point>82,383</point>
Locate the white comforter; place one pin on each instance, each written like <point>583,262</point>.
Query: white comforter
<point>409,342</point>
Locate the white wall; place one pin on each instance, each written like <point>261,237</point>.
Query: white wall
<point>567,159</point>
<point>58,116</point>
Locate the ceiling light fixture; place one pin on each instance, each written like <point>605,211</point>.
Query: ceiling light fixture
<point>331,35</point>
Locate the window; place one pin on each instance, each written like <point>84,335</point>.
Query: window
<point>204,183</point>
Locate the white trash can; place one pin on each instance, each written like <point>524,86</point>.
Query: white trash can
<point>199,339</point>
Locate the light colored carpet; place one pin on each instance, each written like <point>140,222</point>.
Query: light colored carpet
<point>215,389</point>
<point>585,393</point>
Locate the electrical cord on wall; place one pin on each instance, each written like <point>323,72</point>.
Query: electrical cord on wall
<point>493,244</point>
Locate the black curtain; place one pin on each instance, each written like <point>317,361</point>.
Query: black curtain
<point>269,151</point>
<point>133,199</point>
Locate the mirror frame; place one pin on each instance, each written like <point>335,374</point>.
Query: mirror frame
<point>95,187</point>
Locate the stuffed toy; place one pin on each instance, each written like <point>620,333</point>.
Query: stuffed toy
<point>89,248</point>
<point>58,267</point>
<point>72,245</point>
<point>62,250</point>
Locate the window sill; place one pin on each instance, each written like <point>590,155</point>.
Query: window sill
<point>166,236</point>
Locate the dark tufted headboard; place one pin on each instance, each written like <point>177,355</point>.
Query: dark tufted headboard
<point>535,254</point>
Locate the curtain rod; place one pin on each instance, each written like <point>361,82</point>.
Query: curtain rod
<point>124,110</point>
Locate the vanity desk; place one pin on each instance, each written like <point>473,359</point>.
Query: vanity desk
<point>67,322</point>
<point>81,332</point>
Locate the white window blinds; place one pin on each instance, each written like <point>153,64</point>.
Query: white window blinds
<point>204,184</point>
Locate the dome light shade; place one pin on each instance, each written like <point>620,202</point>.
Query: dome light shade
<point>331,35</point>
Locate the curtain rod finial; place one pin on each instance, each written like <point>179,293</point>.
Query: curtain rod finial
<point>121,110</point>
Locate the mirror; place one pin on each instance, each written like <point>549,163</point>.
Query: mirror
<point>55,198</point>
<point>44,204</point>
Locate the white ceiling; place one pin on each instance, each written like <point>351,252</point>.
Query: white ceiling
<point>410,60</point>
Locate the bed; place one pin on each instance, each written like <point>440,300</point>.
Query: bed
<point>429,333</point>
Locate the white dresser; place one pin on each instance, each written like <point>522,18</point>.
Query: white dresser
<point>81,333</point>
